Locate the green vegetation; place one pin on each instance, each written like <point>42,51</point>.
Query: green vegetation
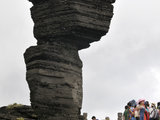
<point>20,118</point>
<point>15,105</point>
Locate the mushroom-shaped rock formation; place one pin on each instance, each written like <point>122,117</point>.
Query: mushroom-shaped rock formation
<point>54,69</point>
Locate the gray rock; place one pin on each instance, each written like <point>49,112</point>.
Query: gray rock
<point>54,69</point>
<point>78,22</point>
<point>54,76</point>
<point>14,112</point>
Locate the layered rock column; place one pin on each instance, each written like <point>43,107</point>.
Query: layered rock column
<point>54,69</point>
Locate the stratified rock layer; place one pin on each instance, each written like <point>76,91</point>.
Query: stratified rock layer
<point>54,70</point>
<point>55,80</point>
<point>78,22</point>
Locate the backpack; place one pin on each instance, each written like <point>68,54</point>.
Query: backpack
<point>156,114</point>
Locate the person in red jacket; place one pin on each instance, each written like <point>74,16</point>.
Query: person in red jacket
<point>147,110</point>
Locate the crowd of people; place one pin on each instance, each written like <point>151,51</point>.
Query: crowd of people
<point>141,110</point>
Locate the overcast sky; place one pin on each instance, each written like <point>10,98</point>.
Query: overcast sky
<point>124,65</point>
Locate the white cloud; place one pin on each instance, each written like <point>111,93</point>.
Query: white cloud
<point>16,36</point>
<point>120,66</point>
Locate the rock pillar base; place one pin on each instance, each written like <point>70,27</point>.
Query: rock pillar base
<point>54,76</point>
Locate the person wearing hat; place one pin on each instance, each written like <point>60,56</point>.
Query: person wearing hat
<point>141,109</point>
<point>129,110</point>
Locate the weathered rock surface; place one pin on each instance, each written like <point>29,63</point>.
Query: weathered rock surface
<point>54,69</point>
<point>15,113</point>
<point>55,80</point>
<point>78,22</point>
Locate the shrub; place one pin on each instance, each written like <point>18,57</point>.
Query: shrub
<point>20,118</point>
<point>15,105</point>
